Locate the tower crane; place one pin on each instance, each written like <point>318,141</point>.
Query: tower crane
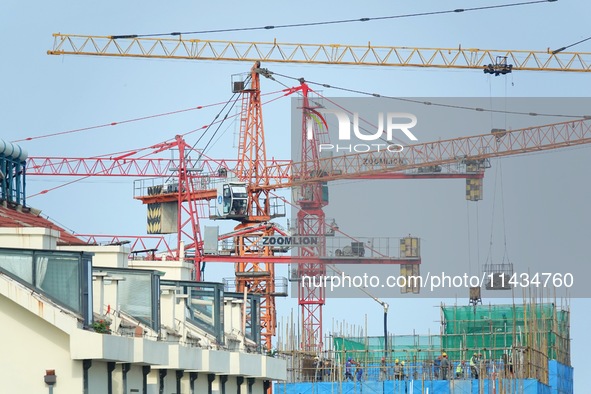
<point>311,221</point>
<point>468,150</point>
<point>254,206</point>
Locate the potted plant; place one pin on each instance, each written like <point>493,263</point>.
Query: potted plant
<point>102,326</point>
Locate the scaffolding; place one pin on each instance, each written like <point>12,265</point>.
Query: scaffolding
<point>523,337</point>
<point>500,344</point>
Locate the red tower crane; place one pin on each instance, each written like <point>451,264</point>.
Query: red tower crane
<point>257,276</point>
<point>311,198</point>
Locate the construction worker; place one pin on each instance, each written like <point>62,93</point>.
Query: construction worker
<point>444,366</point>
<point>359,372</point>
<point>318,368</point>
<point>397,370</point>
<point>508,361</point>
<point>349,369</point>
<point>437,367</point>
<point>460,370</point>
<point>383,370</point>
<point>402,374</point>
<point>327,368</point>
<point>474,365</point>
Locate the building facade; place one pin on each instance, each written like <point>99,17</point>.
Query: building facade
<point>84,319</point>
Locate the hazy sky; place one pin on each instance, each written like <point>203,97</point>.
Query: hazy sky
<point>545,196</point>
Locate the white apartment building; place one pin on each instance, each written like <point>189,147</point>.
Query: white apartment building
<point>76,318</point>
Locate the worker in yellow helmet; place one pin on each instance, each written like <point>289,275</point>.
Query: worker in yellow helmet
<point>397,370</point>
<point>444,366</point>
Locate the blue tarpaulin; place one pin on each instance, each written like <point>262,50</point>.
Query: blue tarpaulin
<point>560,377</point>
<point>525,386</point>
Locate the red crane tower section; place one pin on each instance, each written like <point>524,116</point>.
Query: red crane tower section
<point>256,276</point>
<point>311,222</point>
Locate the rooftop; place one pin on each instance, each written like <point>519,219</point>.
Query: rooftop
<point>19,217</point>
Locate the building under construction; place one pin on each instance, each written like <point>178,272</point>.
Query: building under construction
<point>511,348</point>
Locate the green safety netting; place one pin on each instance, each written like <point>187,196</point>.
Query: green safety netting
<point>495,329</point>
<point>371,349</point>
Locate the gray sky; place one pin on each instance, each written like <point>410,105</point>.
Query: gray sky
<point>545,195</point>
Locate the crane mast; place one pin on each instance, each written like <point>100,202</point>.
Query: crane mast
<point>256,277</point>
<point>311,222</point>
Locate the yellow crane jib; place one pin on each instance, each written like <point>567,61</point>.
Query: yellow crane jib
<point>496,62</point>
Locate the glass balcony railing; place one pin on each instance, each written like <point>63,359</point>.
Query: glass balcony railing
<point>138,294</point>
<point>64,277</point>
<point>205,306</point>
